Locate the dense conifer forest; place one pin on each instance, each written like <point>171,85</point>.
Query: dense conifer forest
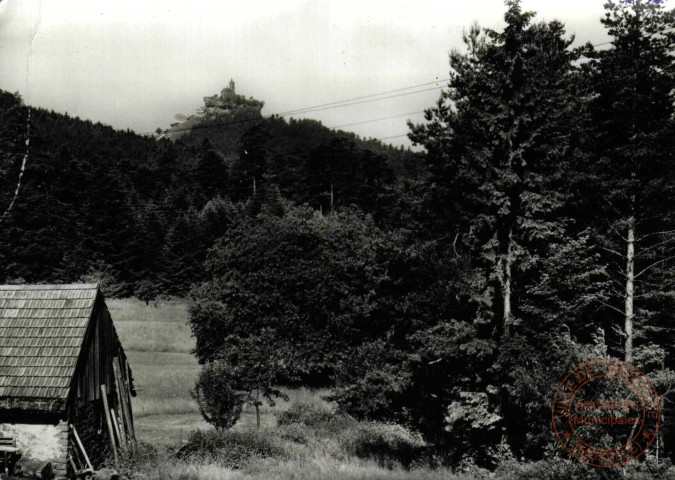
<point>140,214</point>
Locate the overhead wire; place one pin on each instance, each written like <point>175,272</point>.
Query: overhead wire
<point>368,96</point>
<point>316,108</point>
<point>356,103</point>
<point>378,119</point>
<point>374,97</point>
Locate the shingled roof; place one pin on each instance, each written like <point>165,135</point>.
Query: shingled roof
<point>42,329</point>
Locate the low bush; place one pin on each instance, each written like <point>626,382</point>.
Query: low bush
<point>386,443</point>
<point>219,403</point>
<point>294,432</point>
<point>315,416</point>
<point>229,449</point>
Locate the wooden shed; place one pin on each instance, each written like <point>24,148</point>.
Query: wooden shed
<point>64,378</point>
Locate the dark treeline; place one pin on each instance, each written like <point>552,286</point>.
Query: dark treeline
<point>449,291</point>
<point>139,215</point>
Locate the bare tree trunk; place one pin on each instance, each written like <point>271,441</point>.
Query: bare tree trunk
<point>257,409</point>
<point>331,196</point>
<point>507,285</point>
<point>21,172</point>
<point>659,438</point>
<point>630,290</point>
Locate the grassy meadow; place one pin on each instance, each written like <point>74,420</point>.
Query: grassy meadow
<point>157,340</point>
<point>320,468</point>
<point>158,343</point>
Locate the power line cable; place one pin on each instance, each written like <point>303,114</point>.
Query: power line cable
<point>394,136</point>
<point>422,111</point>
<point>611,41</point>
<point>378,119</point>
<point>365,96</point>
<point>359,102</point>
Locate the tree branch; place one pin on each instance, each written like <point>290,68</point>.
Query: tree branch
<point>610,306</point>
<point>664,232</point>
<point>654,264</point>
<point>656,245</point>
<point>613,251</point>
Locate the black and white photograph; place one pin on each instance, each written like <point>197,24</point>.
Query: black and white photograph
<point>337,240</point>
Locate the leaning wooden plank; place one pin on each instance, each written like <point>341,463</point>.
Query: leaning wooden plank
<point>126,405</point>
<point>127,384</point>
<point>106,410</point>
<point>79,444</point>
<point>120,424</point>
<point>119,411</point>
<point>123,430</point>
<point>77,455</point>
<point>72,464</point>
<point>120,440</point>
<point>117,378</point>
<point>79,473</point>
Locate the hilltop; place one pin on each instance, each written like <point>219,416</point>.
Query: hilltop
<point>224,118</point>
<point>226,108</point>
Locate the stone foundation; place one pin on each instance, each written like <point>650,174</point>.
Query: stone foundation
<point>39,445</point>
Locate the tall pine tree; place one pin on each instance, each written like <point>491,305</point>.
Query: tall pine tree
<point>499,142</point>
<point>631,167</point>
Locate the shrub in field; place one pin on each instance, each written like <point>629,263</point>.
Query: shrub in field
<point>229,449</point>
<point>386,443</point>
<point>219,403</point>
<point>305,413</point>
<point>294,432</point>
<point>315,416</point>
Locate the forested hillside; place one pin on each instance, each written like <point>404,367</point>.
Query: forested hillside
<point>139,214</point>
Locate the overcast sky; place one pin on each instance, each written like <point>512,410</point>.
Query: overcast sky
<point>135,64</point>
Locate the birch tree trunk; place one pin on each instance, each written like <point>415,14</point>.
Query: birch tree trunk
<point>630,290</point>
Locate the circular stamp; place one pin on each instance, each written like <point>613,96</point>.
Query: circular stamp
<point>606,413</point>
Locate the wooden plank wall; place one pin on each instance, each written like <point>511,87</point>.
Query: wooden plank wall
<point>100,346</point>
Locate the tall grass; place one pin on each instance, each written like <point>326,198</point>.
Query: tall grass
<point>158,343</point>
<point>324,468</point>
<point>152,328</point>
<point>134,310</point>
<point>163,381</point>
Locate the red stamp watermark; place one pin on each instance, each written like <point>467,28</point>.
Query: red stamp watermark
<point>606,413</point>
